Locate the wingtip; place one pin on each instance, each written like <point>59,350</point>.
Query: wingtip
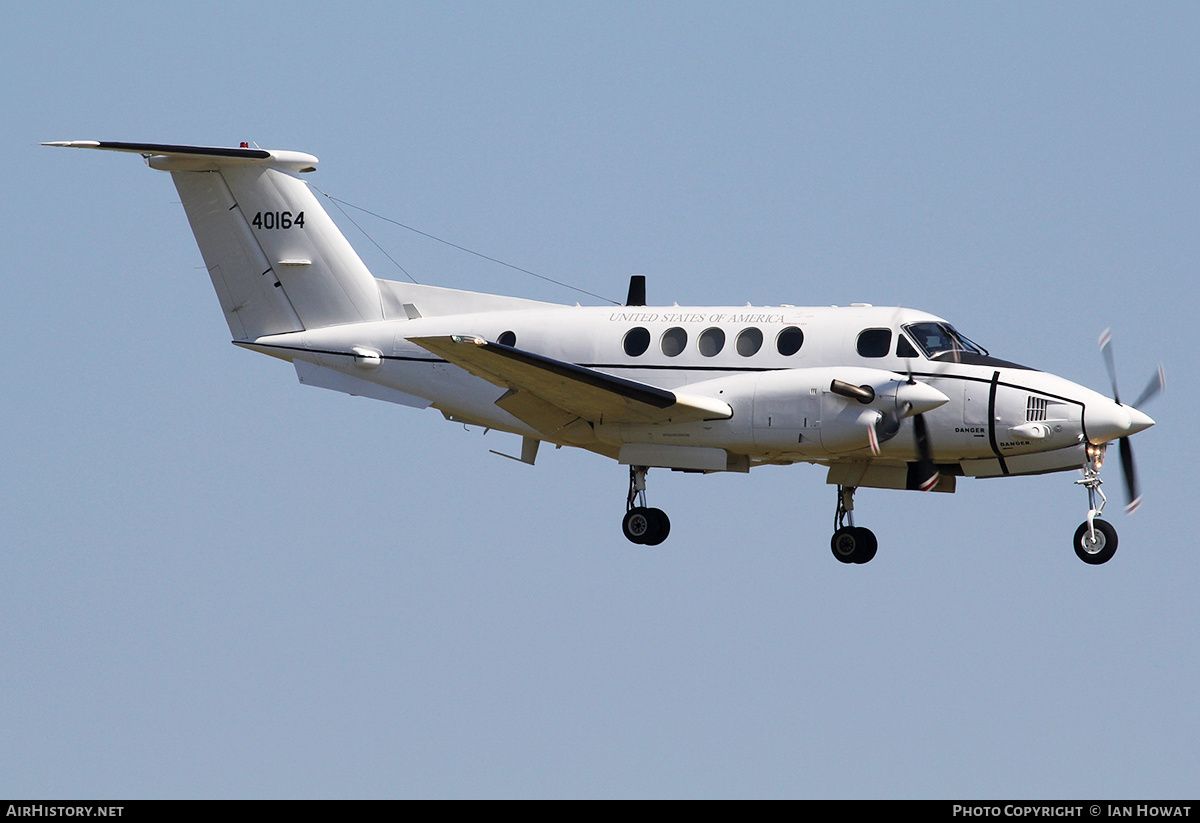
<point>74,144</point>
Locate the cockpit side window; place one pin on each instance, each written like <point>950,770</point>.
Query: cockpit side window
<point>874,342</point>
<point>904,348</point>
<point>938,339</point>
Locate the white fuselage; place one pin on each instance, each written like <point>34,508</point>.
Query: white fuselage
<point>997,419</point>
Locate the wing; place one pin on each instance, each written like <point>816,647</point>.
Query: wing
<point>551,394</point>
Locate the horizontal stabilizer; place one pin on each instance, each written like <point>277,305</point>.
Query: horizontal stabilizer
<point>167,157</point>
<point>578,391</point>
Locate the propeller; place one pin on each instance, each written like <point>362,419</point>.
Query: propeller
<point>927,473</point>
<point>887,425</point>
<point>1157,383</point>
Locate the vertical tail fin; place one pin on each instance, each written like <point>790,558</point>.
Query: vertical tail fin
<point>276,259</point>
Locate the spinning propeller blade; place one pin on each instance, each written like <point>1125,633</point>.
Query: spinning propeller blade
<point>1106,351</point>
<point>928,476</point>
<point>1132,492</point>
<point>928,473</point>
<point>1157,383</point>
<point>888,426</point>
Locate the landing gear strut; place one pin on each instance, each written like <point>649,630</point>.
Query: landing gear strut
<point>1095,539</point>
<point>850,543</point>
<point>643,525</point>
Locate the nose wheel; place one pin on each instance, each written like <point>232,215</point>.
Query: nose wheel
<point>1097,544</point>
<point>641,524</point>
<point>850,543</point>
<point>1095,540</point>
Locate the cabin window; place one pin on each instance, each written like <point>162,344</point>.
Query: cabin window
<point>673,341</point>
<point>636,341</point>
<point>904,348</point>
<point>711,342</point>
<point>789,341</point>
<point>507,338</point>
<point>749,341</point>
<point>874,342</point>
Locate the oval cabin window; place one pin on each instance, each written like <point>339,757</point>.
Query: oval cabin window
<point>673,342</point>
<point>636,341</point>
<point>711,342</point>
<point>749,341</point>
<point>789,341</point>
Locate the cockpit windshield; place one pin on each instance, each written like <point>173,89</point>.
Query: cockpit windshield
<point>941,341</point>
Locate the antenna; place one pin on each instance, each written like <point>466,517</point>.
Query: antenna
<point>637,290</point>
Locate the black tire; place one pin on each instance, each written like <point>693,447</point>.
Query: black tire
<point>853,544</point>
<point>1102,550</point>
<point>844,544</point>
<point>660,527</point>
<point>868,545</point>
<point>637,525</point>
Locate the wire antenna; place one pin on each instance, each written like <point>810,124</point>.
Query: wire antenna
<point>339,203</point>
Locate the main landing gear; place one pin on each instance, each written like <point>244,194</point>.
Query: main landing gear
<point>850,543</point>
<point>643,525</point>
<point>1095,539</point>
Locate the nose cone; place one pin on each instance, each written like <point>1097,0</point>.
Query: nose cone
<point>922,396</point>
<point>1138,421</point>
<point>1109,420</point>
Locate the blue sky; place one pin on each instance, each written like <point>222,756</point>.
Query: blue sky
<point>222,584</point>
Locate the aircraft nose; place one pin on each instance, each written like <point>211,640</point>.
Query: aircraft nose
<point>1109,421</point>
<point>922,396</point>
<point>1138,421</point>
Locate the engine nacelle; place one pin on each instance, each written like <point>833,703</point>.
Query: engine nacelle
<point>796,412</point>
<point>834,410</point>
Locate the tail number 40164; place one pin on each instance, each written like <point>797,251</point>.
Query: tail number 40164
<point>277,220</point>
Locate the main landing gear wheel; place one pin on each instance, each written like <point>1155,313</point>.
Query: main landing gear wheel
<point>641,524</point>
<point>648,527</point>
<point>854,544</point>
<point>1098,549</point>
<point>850,543</point>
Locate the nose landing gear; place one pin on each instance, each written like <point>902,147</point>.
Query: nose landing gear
<point>643,525</point>
<point>1095,539</point>
<point>850,543</point>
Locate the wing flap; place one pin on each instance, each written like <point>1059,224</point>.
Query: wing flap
<point>575,390</point>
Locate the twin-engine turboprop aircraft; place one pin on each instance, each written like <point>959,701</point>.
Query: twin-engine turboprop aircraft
<point>883,397</point>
